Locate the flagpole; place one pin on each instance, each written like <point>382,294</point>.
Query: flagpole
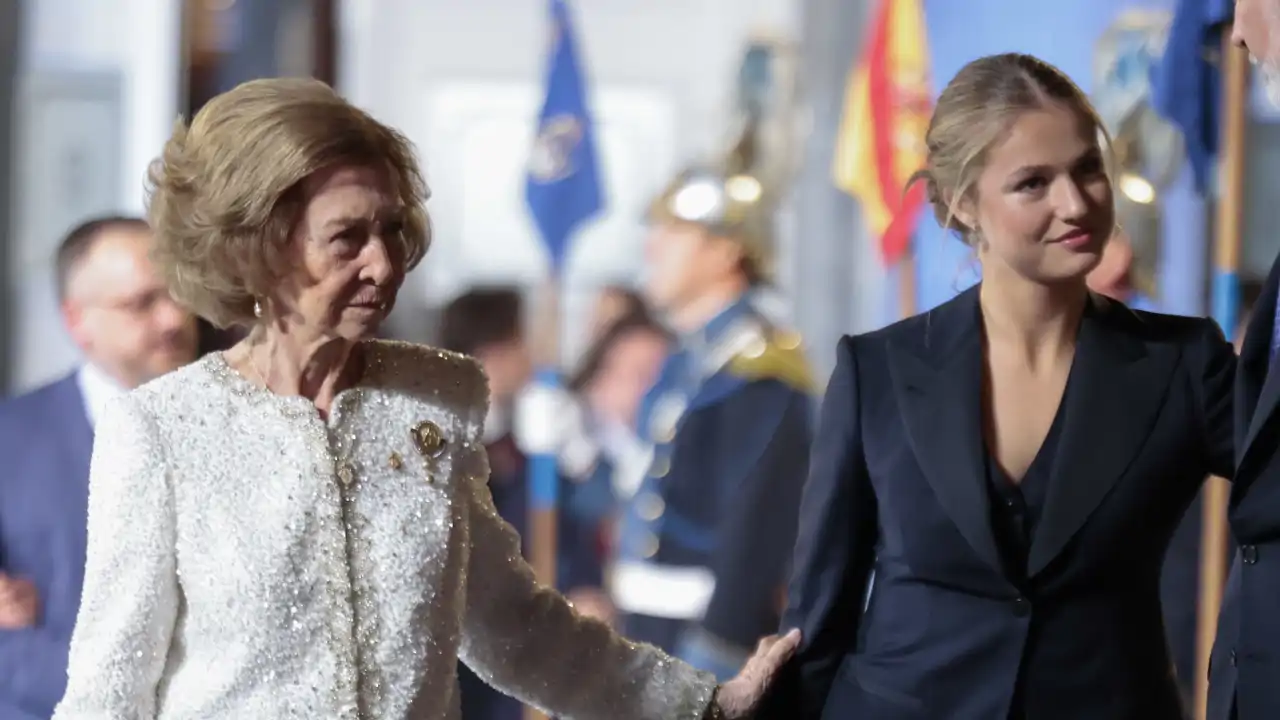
<point>563,191</point>
<point>1226,284</point>
<point>544,470</point>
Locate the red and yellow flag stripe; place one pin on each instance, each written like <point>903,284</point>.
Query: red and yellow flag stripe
<point>882,131</point>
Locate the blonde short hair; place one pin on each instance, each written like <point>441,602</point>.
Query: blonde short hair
<point>225,197</point>
<point>976,110</point>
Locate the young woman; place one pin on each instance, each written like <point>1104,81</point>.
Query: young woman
<point>994,482</point>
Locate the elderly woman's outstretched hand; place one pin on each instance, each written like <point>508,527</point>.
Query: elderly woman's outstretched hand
<point>739,697</point>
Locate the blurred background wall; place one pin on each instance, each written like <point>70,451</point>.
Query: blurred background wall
<point>99,83</point>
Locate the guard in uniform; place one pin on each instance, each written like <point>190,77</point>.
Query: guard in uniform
<point>705,540</point>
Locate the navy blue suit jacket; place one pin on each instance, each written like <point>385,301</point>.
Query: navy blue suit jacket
<point>897,488</point>
<point>45,443</point>
<point>1245,665</point>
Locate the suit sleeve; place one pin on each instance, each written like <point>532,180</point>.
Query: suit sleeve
<point>32,669</point>
<point>766,442</point>
<point>32,661</point>
<point>1213,377</point>
<point>835,549</point>
<point>131,596</point>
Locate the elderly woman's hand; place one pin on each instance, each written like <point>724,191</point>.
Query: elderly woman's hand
<point>738,698</point>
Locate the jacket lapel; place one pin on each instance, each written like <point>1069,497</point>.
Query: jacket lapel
<point>1257,390</point>
<point>69,411</point>
<point>937,378</point>
<point>1114,394</point>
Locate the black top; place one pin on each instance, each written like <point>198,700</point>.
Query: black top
<point>1015,512</point>
<point>1016,507</point>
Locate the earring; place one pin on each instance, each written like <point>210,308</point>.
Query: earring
<point>257,308</point>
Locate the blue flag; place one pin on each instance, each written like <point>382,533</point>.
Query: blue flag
<point>563,184</point>
<point>1187,86</point>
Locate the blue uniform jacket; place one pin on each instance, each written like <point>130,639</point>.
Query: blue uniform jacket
<point>704,542</point>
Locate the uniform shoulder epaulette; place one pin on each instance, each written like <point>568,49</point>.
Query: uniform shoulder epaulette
<point>775,355</point>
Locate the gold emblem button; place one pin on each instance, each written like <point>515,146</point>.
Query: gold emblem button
<point>428,438</point>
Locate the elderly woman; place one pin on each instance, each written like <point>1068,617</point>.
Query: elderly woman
<point>300,527</point>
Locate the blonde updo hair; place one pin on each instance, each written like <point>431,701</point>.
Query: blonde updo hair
<point>225,196</point>
<point>975,111</point>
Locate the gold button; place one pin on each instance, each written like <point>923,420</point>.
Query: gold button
<point>650,546</point>
<point>651,506</point>
<point>395,462</point>
<point>661,466</point>
<point>428,438</point>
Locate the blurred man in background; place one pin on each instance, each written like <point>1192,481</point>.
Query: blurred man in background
<point>704,542</point>
<point>130,331</point>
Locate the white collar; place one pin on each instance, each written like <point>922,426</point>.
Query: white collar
<point>98,388</point>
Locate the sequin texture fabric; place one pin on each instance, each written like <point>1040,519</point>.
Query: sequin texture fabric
<point>248,559</point>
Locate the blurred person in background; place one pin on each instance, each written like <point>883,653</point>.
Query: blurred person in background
<point>1116,274</point>
<point>1245,662</point>
<point>994,482</point>
<point>613,303</point>
<point>703,542</point>
<point>487,324</point>
<point>129,330</point>
<point>301,526</point>
<point>615,374</point>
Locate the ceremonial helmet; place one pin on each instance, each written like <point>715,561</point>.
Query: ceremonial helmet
<point>736,195</point>
<point>727,202</point>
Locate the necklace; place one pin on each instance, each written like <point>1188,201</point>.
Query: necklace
<point>260,376</point>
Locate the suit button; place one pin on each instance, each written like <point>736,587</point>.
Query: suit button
<point>1233,658</point>
<point>1021,607</point>
<point>660,468</point>
<point>650,546</point>
<point>1249,553</point>
<point>650,507</point>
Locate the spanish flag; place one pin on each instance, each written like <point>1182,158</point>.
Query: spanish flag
<point>886,113</point>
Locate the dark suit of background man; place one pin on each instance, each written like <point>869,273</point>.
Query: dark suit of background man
<point>120,315</point>
<point>1244,670</point>
<point>704,542</point>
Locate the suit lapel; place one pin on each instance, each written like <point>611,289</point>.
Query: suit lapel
<point>1257,390</point>
<point>1114,393</point>
<point>76,436</point>
<point>937,378</point>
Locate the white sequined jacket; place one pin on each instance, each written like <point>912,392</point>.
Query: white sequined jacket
<point>251,561</point>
